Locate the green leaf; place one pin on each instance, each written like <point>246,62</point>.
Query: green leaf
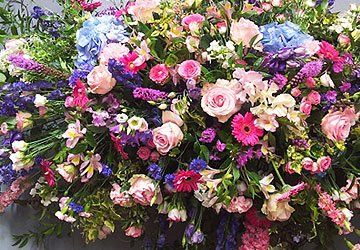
<point>236,173</point>
<point>110,225</point>
<point>80,148</point>
<point>91,139</point>
<point>2,78</point>
<point>204,153</point>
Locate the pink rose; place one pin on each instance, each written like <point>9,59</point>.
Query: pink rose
<point>220,102</point>
<point>189,69</point>
<point>193,21</point>
<point>134,231</point>
<point>154,156</point>
<point>169,116</point>
<point>167,137</point>
<point>305,107</point>
<point>336,125</point>
<point>100,80</point>
<point>239,205</point>
<point>244,31</point>
<point>113,51</point>
<point>144,153</point>
<point>159,74</point>
<point>323,163</point>
<point>288,168</point>
<point>314,97</point>
<point>177,215</point>
<point>143,190</point>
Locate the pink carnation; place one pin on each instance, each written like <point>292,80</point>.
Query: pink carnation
<point>244,129</point>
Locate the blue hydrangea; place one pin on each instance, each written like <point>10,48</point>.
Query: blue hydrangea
<point>197,165</point>
<point>94,35</point>
<point>279,36</point>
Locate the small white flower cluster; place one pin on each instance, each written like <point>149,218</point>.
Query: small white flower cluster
<point>47,196</point>
<point>220,53</point>
<point>348,22</point>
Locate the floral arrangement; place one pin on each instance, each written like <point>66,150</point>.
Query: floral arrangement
<point>235,121</point>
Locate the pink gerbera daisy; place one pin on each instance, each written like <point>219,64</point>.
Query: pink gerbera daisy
<point>244,129</point>
<point>187,180</point>
<point>133,63</point>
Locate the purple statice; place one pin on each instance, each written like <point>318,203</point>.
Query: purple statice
<point>244,157</point>
<point>78,74</point>
<point>106,170</point>
<point>155,171</point>
<point>280,80</point>
<point>300,143</point>
<point>197,165</point>
<point>311,69</point>
<point>122,76</point>
<point>7,174</point>
<point>345,86</point>
<point>147,94</point>
<point>208,135</point>
<point>37,12</point>
<point>169,179</point>
<point>19,60</point>
<point>110,11</point>
<point>220,146</point>
<point>77,208</point>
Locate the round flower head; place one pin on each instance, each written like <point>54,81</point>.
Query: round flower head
<point>186,181</point>
<point>244,129</point>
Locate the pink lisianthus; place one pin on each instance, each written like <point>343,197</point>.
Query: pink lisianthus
<point>244,129</point>
<point>73,134</point>
<point>189,69</point>
<point>159,74</point>
<point>113,51</point>
<point>336,124</point>
<point>167,137</point>
<point>193,22</point>
<point>134,231</point>
<point>239,205</point>
<point>100,80</point>
<point>314,97</point>
<point>133,63</point>
<point>144,190</point>
<point>121,198</point>
<point>177,215</point>
<point>244,31</point>
<point>310,82</point>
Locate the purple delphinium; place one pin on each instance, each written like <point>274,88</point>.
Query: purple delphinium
<point>78,74</point>
<point>7,174</point>
<point>208,135</point>
<point>231,242</point>
<point>155,171</point>
<point>122,76</point>
<point>197,165</point>
<point>147,94</point>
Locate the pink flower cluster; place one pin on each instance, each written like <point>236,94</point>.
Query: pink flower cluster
<point>321,165</point>
<point>13,193</point>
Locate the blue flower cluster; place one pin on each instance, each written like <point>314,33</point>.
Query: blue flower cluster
<point>94,35</point>
<point>77,208</point>
<point>155,171</point>
<point>123,77</point>
<point>106,170</point>
<point>197,165</point>
<point>279,36</point>
<point>7,174</point>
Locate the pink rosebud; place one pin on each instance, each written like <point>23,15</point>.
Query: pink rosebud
<point>159,74</point>
<point>280,17</point>
<point>323,163</point>
<point>295,92</point>
<point>344,40</point>
<point>305,107</point>
<point>288,168</point>
<point>134,231</point>
<point>189,69</point>
<point>143,153</point>
<point>222,27</point>
<point>154,156</point>
<point>314,97</point>
<point>310,82</point>
<point>308,164</point>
